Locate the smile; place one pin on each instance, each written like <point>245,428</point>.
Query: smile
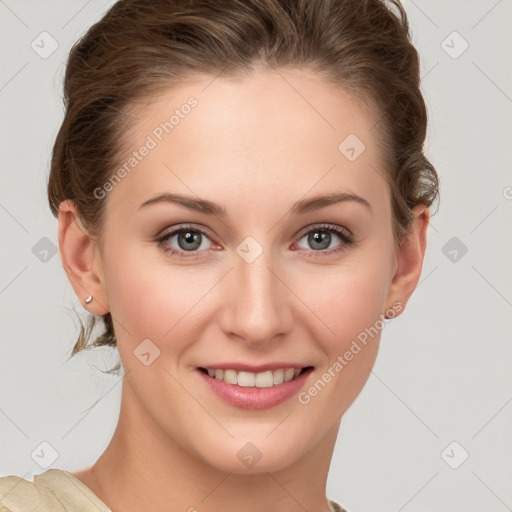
<point>266,379</point>
<point>261,389</point>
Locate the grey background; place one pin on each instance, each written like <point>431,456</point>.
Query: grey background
<point>443,373</point>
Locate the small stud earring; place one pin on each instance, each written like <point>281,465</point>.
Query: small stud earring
<point>89,299</point>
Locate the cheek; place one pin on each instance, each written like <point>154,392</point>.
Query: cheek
<point>156,301</point>
<point>348,303</point>
<point>348,298</point>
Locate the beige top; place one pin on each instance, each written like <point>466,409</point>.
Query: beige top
<point>56,490</point>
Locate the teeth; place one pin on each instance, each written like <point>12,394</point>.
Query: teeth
<point>278,376</point>
<point>245,379</point>
<point>264,380</point>
<point>230,376</point>
<point>288,374</point>
<point>260,380</point>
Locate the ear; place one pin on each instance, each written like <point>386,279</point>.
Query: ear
<point>410,255</point>
<point>81,260</point>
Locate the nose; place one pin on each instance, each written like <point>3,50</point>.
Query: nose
<point>257,307</point>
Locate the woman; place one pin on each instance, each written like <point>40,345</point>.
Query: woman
<point>243,199</point>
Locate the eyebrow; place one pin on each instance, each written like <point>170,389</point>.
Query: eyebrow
<point>303,206</point>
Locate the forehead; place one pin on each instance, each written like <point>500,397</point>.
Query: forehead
<point>272,130</point>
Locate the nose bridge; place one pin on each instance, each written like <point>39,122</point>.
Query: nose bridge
<point>258,309</point>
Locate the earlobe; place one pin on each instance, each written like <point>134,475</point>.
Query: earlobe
<point>81,259</point>
<point>410,256</point>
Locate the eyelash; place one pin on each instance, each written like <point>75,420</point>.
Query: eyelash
<point>344,234</point>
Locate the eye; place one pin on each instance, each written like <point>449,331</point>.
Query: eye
<point>193,240</point>
<point>319,238</point>
<point>187,239</point>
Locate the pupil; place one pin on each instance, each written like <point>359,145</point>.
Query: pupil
<point>189,238</point>
<point>321,237</point>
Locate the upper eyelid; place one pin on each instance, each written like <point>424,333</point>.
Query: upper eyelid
<point>325,226</point>
<point>172,231</point>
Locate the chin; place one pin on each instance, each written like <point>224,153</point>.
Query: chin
<point>261,455</point>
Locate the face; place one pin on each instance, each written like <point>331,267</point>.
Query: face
<point>242,270</point>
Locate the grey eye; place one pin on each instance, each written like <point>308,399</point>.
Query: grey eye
<point>319,239</point>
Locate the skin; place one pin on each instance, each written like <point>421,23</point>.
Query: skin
<point>255,146</point>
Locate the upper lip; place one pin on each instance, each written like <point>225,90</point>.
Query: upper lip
<point>254,368</point>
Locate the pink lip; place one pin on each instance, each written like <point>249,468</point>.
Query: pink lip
<point>254,397</point>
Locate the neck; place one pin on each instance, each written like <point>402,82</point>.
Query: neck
<point>143,468</point>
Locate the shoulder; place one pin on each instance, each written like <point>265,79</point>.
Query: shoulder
<point>337,507</point>
<point>55,489</point>
<point>17,494</point>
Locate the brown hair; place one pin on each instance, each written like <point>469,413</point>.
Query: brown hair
<point>142,47</point>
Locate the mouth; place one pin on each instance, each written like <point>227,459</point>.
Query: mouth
<point>263,379</point>
<point>264,387</point>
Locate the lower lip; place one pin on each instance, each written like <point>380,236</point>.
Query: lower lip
<point>253,397</point>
